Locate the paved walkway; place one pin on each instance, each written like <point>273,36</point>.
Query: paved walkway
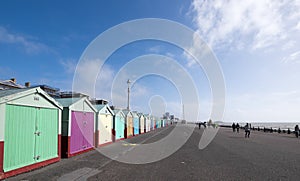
<point>230,156</point>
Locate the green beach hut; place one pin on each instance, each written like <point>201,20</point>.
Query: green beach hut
<point>29,130</point>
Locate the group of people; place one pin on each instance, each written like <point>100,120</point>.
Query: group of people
<point>247,127</point>
<point>236,127</point>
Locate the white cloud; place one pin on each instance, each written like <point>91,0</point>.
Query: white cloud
<point>276,106</point>
<point>155,49</point>
<point>292,58</point>
<point>104,82</point>
<point>258,24</point>
<point>92,79</point>
<point>27,44</point>
<point>198,48</point>
<point>139,90</point>
<point>69,65</point>
<point>170,55</point>
<point>298,26</point>
<point>289,45</point>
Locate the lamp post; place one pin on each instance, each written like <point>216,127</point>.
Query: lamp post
<point>128,83</point>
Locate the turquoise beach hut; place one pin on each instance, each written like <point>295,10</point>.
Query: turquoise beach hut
<point>119,124</point>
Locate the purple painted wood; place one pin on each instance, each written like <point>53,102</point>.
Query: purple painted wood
<point>89,130</point>
<point>82,131</point>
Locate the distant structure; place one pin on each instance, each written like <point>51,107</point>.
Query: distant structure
<point>166,116</point>
<point>11,84</point>
<point>172,117</point>
<point>112,107</point>
<point>52,91</point>
<point>128,83</point>
<point>70,94</point>
<point>99,101</point>
<point>183,121</point>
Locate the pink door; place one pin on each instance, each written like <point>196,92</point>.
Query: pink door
<point>82,131</point>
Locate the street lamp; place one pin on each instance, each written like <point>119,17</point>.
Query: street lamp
<point>128,83</point>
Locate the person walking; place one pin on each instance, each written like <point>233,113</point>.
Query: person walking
<point>297,131</point>
<point>237,127</point>
<point>247,131</point>
<point>233,127</point>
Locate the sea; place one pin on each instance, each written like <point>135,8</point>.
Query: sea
<point>274,125</point>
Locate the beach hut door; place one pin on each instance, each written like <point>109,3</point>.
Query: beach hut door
<point>30,136</point>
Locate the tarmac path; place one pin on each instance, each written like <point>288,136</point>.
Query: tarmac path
<point>230,156</point>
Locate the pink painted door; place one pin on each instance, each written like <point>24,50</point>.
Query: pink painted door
<point>82,131</point>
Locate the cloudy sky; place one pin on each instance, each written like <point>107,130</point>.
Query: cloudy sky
<point>256,43</point>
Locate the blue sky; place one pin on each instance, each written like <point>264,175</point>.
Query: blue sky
<point>256,43</point>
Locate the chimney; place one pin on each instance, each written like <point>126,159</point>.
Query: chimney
<point>14,80</point>
<point>27,84</point>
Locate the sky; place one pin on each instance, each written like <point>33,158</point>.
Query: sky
<point>255,42</point>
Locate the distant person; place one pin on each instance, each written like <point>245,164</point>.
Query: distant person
<point>247,131</point>
<point>237,127</point>
<point>297,131</point>
<point>233,127</point>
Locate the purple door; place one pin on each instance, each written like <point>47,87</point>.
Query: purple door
<point>82,131</point>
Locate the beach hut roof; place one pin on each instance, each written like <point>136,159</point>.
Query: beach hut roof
<point>140,114</point>
<point>118,111</point>
<point>101,107</point>
<point>68,102</point>
<point>135,114</point>
<point>126,112</point>
<point>12,94</point>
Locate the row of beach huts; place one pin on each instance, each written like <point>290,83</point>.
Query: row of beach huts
<point>37,129</point>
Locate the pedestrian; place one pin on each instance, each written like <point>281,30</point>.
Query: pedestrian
<point>297,131</point>
<point>233,127</point>
<point>279,130</point>
<point>247,131</point>
<point>237,127</point>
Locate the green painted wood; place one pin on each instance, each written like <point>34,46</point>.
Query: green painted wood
<point>19,138</point>
<point>31,135</point>
<point>46,134</point>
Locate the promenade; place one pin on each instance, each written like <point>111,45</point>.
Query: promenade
<point>230,156</point>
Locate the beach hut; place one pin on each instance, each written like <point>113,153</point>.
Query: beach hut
<point>118,124</point>
<point>147,123</point>
<point>142,122</point>
<point>29,130</point>
<point>157,123</point>
<point>128,124</point>
<point>163,123</point>
<point>152,119</point>
<point>104,128</point>
<point>136,123</point>
<point>78,125</point>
